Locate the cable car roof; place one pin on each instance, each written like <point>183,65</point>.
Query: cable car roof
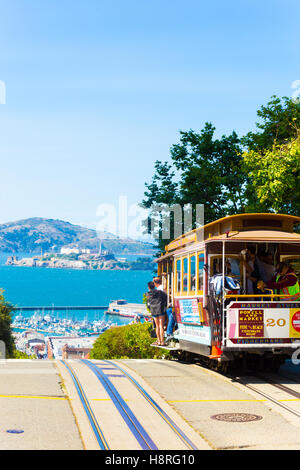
<point>259,236</point>
<point>249,227</point>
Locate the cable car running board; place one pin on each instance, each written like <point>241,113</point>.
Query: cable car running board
<point>164,347</point>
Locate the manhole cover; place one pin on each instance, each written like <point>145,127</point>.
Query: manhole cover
<point>236,417</point>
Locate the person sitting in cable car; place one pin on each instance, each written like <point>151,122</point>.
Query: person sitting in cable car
<point>285,282</point>
<point>248,258</point>
<point>228,271</point>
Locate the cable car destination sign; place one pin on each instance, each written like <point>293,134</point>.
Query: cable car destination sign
<point>251,323</point>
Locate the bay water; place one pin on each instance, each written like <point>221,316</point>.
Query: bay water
<point>24,286</point>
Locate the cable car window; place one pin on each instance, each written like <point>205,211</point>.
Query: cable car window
<point>200,272</point>
<point>193,273</point>
<point>178,275</point>
<point>185,274</point>
<point>232,266</point>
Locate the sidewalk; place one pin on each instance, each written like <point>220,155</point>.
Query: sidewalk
<point>33,401</point>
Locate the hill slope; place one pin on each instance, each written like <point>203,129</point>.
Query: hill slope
<point>36,234</point>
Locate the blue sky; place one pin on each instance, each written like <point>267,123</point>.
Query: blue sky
<point>96,91</point>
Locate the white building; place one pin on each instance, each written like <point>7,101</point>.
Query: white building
<point>69,251</point>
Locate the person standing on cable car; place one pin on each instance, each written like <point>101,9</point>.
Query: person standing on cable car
<point>158,283</point>
<point>285,282</point>
<point>248,258</point>
<point>157,302</point>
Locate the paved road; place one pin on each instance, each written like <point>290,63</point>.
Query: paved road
<point>197,394</point>
<point>131,415</point>
<point>140,403</point>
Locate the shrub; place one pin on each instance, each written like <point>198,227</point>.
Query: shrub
<point>5,326</point>
<point>21,355</point>
<point>130,342</point>
<point>6,331</point>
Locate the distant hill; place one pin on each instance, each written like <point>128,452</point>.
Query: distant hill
<point>37,234</point>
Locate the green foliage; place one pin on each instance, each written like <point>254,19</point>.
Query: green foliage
<point>5,326</point>
<point>145,301</point>
<point>21,355</point>
<point>275,175</point>
<point>162,191</point>
<point>255,173</point>
<point>279,123</point>
<point>204,170</point>
<point>6,331</point>
<point>130,341</point>
<point>211,171</point>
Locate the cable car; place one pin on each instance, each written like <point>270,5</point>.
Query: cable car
<point>222,318</point>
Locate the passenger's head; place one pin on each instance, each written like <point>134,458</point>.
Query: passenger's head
<point>151,285</point>
<point>268,258</point>
<point>251,252</point>
<point>282,267</point>
<point>157,281</point>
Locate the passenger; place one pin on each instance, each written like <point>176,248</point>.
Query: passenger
<point>269,266</point>
<point>285,282</point>
<point>159,286</point>
<point>171,322</point>
<point>227,268</point>
<point>265,266</point>
<point>248,258</point>
<point>157,302</point>
<point>158,283</point>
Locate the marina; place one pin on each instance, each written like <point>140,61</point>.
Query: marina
<point>53,325</point>
<point>38,334</point>
<point>56,331</point>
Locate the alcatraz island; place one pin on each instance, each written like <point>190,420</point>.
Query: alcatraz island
<point>48,243</point>
<point>75,258</point>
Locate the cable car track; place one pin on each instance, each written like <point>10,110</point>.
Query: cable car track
<point>157,408</point>
<point>274,384</point>
<point>280,386</point>
<point>87,408</point>
<point>267,380</point>
<point>134,425</point>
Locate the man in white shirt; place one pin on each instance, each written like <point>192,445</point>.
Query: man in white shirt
<point>158,283</point>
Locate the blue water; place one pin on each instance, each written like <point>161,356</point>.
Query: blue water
<point>68,287</point>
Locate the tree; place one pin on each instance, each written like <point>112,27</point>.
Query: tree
<point>211,172</point>
<point>162,191</point>
<point>271,158</point>
<point>279,123</point>
<point>275,175</point>
<point>203,170</point>
<point>256,173</point>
